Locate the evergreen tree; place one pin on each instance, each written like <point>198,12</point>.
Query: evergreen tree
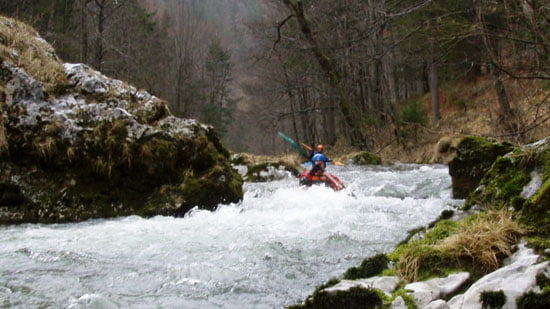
<point>219,105</point>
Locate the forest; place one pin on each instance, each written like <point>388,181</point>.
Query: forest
<point>353,72</point>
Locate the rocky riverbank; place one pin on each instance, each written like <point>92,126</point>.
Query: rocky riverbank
<point>75,144</point>
<point>492,253</point>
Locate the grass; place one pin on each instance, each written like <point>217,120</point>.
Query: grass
<point>3,136</point>
<point>22,46</point>
<point>477,244</point>
<point>486,239</point>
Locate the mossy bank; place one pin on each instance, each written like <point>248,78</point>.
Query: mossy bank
<point>75,144</point>
<point>492,253</point>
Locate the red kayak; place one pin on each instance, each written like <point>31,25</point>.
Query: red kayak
<point>327,179</point>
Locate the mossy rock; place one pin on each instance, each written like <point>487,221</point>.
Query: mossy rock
<point>504,186</point>
<point>533,300</point>
<point>355,297</point>
<point>366,158</point>
<point>504,182</point>
<point>118,152</point>
<point>264,172</point>
<point>155,176</point>
<point>197,191</point>
<point>492,299</point>
<point>475,155</point>
<point>369,267</point>
<point>535,212</point>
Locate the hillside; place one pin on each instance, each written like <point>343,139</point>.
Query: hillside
<point>469,107</point>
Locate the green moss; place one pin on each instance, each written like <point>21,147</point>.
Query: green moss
<point>535,213</point>
<point>546,165</point>
<point>253,173</point>
<point>502,183</point>
<point>423,262</point>
<point>475,155</point>
<point>366,158</point>
<point>543,281</point>
<point>539,243</point>
<point>441,230</point>
<point>369,267</point>
<point>355,297</point>
<point>533,300</point>
<point>492,299</point>
<point>409,300</point>
<point>410,235</point>
<point>197,190</point>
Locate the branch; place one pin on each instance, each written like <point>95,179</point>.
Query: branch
<point>408,10</point>
<point>305,111</point>
<point>525,130</point>
<point>279,26</point>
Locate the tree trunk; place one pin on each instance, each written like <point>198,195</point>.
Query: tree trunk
<point>84,31</point>
<point>504,104</point>
<point>328,67</point>
<point>434,83</point>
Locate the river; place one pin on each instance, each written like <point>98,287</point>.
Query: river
<point>269,251</point>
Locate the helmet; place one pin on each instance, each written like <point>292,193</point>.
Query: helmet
<point>320,148</point>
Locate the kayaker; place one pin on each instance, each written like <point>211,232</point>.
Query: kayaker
<point>318,156</point>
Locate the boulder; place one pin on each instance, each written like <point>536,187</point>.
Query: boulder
<point>366,158</point>
<point>425,292</point>
<point>514,279</point>
<point>474,157</point>
<point>398,303</point>
<point>387,284</point>
<point>519,180</point>
<point>98,147</point>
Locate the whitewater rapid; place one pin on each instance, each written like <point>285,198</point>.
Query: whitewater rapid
<point>269,251</point>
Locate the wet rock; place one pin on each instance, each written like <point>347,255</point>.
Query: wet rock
<point>437,304</point>
<point>102,148</point>
<point>387,284</point>
<point>398,303</point>
<point>519,180</point>
<point>424,292</point>
<point>366,158</point>
<point>514,279</point>
<point>474,157</point>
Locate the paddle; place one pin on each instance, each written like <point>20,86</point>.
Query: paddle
<point>293,144</point>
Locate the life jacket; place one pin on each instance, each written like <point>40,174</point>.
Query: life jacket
<point>319,157</point>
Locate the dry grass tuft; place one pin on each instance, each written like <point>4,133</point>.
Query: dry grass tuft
<point>21,45</point>
<point>288,159</point>
<point>479,244</point>
<point>3,136</point>
<point>46,148</point>
<point>486,240</point>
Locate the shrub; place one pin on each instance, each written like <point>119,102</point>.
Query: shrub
<point>356,297</point>
<point>532,300</point>
<point>492,299</point>
<point>414,113</point>
<point>368,268</point>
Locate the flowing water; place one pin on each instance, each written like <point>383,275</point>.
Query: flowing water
<point>269,251</point>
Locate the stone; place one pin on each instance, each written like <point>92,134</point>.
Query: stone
<point>474,157</point>
<point>99,148</point>
<point>437,304</point>
<point>427,291</point>
<point>398,303</point>
<point>514,279</point>
<point>366,158</point>
<point>387,284</point>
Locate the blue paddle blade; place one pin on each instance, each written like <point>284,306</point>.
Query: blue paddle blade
<point>293,144</point>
